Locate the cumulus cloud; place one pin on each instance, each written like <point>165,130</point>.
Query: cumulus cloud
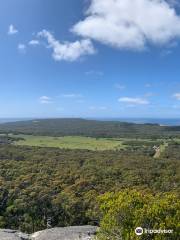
<point>69,51</point>
<point>71,95</point>
<point>177,96</point>
<point>134,101</point>
<point>45,100</point>
<point>34,42</point>
<point>22,47</point>
<point>12,30</point>
<point>130,24</point>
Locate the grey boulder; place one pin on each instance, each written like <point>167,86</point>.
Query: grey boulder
<point>66,233</point>
<point>7,234</point>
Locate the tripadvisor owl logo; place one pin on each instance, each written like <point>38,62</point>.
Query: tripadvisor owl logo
<point>139,231</point>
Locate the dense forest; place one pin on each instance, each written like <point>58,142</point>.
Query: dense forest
<point>117,190</point>
<point>91,128</point>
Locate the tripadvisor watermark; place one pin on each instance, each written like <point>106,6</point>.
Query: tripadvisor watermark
<point>139,231</point>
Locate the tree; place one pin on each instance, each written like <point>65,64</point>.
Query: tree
<point>124,211</point>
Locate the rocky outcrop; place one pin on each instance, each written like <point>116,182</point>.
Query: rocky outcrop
<point>7,234</point>
<point>66,233</point>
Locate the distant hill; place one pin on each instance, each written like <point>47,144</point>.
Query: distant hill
<point>82,127</point>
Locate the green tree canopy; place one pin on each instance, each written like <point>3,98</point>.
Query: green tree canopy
<point>124,211</point>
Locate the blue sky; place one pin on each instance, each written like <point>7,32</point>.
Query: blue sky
<point>89,58</point>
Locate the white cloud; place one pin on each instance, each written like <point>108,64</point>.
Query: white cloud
<point>45,100</point>
<point>135,101</point>
<point>34,42</point>
<point>12,30</point>
<point>69,51</point>
<point>177,96</point>
<point>130,24</point>
<point>71,95</point>
<point>22,47</point>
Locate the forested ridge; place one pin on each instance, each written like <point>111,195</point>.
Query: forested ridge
<point>91,128</point>
<point>116,189</point>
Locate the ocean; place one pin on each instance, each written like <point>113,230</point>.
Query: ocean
<point>160,121</point>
